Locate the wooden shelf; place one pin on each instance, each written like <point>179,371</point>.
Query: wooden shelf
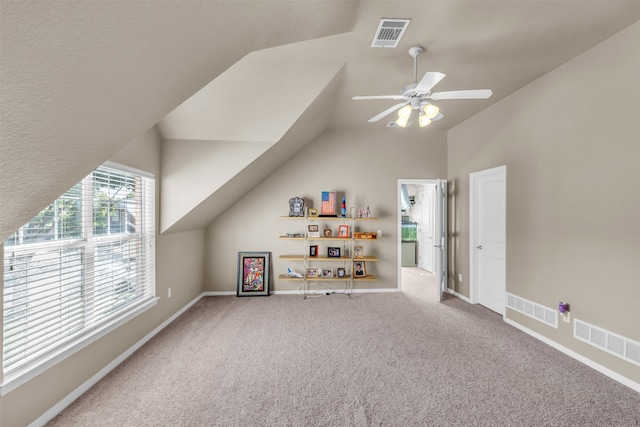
<point>318,279</point>
<point>367,259</point>
<point>367,278</point>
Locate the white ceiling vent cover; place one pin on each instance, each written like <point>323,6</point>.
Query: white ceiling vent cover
<point>390,32</point>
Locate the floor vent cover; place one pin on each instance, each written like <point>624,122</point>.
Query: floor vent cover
<point>389,32</point>
<point>534,310</point>
<point>615,344</point>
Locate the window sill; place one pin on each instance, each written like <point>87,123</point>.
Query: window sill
<point>16,379</point>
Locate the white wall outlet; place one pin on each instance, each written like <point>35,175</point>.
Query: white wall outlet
<point>379,233</point>
<point>169,293</point>
<point>566,317</point>
<point>460,277</point>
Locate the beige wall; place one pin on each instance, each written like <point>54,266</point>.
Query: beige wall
<point>179,262</point>
<point>364,165</point>
<point>571,143</point>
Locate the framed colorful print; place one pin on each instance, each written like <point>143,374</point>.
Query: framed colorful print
<point>254,274</point>
<point>343,231</point>
<point>313,250</point>
<point>358,251</point>
<point>313,230</point>
<point>359,269</point>
<point>333,252</point>
<point>312,273</point>
<point>341,272</point>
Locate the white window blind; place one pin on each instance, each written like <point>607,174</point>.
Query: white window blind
<point>85,260</point>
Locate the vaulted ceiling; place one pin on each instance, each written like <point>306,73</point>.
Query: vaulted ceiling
<point>80,80</point>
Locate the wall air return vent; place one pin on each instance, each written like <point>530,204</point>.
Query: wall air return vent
<point>534,310</point>
<point>624,348</point>
<point>390,32</point>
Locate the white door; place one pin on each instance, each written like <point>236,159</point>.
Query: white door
<point>426,243</point>
<point>441,236</point>
<point>488,238</point>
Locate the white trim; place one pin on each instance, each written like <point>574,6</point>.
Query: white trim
<point>125,168</point>
<point>580,358</point>
<point>11,382</point>
<point>459,295</point>
<point>71,397</point>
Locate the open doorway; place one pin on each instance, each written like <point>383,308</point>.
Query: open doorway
<point>421,237</point>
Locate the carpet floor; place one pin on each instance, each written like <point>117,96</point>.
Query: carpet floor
<point>379,359</point>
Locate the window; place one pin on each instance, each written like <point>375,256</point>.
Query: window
<point>85,262</point>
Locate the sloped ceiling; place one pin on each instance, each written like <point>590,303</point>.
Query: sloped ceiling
<point>80,80</point>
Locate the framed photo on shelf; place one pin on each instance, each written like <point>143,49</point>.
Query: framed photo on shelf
<point>296,206</point>
<point>358,251</point>
<point>341,272</point>
<point>333,252</point>
<point>328,206</point>
<point>313,250</point>
<point>343,231</point>
<point>254,274</point>
<point>327,232</point>
<point>313,230</point>
<point>312,273</point>
<point>359,269</point>
<point>327,272</point>
<point>313,212</point>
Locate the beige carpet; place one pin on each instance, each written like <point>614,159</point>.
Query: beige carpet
<point>395,359</point>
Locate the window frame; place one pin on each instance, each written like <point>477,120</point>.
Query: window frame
<point>90,334</point>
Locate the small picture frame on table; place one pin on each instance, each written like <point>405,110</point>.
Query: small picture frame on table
<point>341,272</point>
<point>327,232</point>
<point>327,273</point>
<point>313,213</point>
<point>296,206</point>
<point>343,231</point>
<point>254,274</point>
<point>359,269</point>
<point>312,273</point>
<point>333,252</point>
<point>313,251</point>
<point>313,230</point>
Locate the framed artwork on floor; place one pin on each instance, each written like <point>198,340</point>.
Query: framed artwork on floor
<point>254,274</point>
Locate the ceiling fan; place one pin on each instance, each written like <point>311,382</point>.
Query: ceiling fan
<point>416,96</point>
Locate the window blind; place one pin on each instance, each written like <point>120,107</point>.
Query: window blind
<point>85,260</point>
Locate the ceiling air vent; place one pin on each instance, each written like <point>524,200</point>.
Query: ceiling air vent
<point>390,32</point>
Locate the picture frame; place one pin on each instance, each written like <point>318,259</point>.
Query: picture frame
<point>327,232</point>
<point>333,252</point>
<point>327,273</point>
<point>313,212</point>
<point>359,269</point>
<point>341,272</point>
<point>254,274</point>
<point>313,251</point>
<point>358,252</point>
<point>296,206</point>
<point>343,231</point>
<point>312,273</point>
<point>313,230</point>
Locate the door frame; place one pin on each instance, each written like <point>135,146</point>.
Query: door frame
<point>439,205</point>
<point>473,236</point>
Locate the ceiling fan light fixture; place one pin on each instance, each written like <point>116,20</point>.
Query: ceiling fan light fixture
<point>405,112</point>
<point>424,120</point>
<point>402,121</point>
<point>431,110</point>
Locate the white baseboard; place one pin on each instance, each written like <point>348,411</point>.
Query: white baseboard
<point>459,295</point>
<point>580,358</point>
<point>71,397</point>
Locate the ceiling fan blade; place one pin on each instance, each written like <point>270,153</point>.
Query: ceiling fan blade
<point>379,97</point>
<point>387,112</point>
<point>438,117</point>
<point>429,80</point>
<point>462,94</point>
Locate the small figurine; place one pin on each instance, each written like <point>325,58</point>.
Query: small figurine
<point>292,273</point>
<point>344,207</point>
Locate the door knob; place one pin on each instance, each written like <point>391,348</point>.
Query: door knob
<point>479,246</point>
